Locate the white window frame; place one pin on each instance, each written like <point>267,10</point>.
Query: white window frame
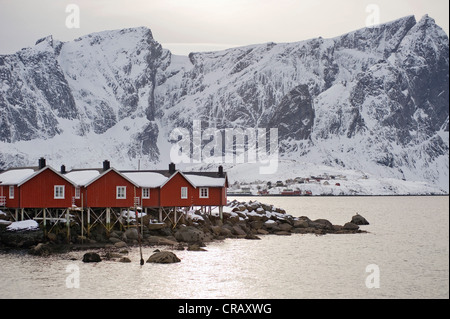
<point>145,193</point>
<point>184,192</point>
<point>59,191</point>
<point>203,192</point>
<point>77,192</point>
<point>121,192</point>
<point>11,192</point>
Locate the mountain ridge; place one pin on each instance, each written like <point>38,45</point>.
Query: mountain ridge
<point>374,99</point>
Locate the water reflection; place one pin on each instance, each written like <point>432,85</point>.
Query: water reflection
<point>408,240</point>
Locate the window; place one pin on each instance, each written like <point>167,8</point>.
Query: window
<point>58,192</point>
<point>184,192</point>
<point>77,192</point>
<point>146,193</point>
<point>11,192</point>
<point>121,192</point>
<point>204,192</point>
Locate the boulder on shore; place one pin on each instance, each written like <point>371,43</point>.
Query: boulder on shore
<point>41,249</point>
<point>190,234</point>
<point>163,257</point>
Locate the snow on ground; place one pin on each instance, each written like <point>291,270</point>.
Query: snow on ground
<point>23,225</point>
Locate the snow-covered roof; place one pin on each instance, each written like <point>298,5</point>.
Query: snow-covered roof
<point>40,171</point>
<point>82,177</point>
<point>106,172</point>
<point>139,178</point>
<point>15,176</point>
<point>146,179</point>
<point>206,181</point>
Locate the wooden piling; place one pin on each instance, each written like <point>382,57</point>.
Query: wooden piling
<point>68,225</point>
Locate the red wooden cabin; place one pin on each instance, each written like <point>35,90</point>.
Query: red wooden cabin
<point>177,191</point>
<point>44,187</point>
<point>47,188</point>
<point>111,189</point>
<point>149,186</point>
<point>9,189</point>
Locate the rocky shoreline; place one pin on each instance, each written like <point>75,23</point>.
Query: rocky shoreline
<point>246,220</point>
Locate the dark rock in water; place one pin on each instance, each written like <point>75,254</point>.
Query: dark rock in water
<point>163,257</point>
<point>124,260</point>
<point>323,224</point>
<point>91,258</point>
<point>351,226</point>
<point>359,220</point>
<point>301,223</point>
<point>195,247</point>
<point>282,233</point>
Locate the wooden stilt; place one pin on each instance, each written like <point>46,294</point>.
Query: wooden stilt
<point>44,217</point>
<point>89,221</point>
<point>160,215</point>
<point>221,212</point>
<point>68,225</point>
<point>108,220</point>
<point>174,216</point>
<point>82,220</point>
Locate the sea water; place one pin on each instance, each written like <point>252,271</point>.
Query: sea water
<point>405,254</point>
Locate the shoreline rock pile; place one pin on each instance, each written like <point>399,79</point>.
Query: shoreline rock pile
<point>247,220</point>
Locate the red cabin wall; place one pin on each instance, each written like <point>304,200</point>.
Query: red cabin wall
<point>154,199</point>
<point>10,202</point>
<point>102,192</point>
<point>38,192</point>
<point>214,197</point>
<point>171,193</point>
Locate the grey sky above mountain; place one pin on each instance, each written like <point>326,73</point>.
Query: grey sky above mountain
<point>184,26</point>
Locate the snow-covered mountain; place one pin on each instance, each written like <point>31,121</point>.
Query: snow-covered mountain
<point>375,100</point>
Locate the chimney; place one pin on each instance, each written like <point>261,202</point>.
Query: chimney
<point>220,171</point>
<point>172,168</point>
<point>106,165</point>
<point>63,169</point>
<point>42,163</point>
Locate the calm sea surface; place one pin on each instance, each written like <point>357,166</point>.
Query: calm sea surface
<point>405,255</point>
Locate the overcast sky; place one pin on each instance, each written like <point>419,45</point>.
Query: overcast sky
<point>198,25</point>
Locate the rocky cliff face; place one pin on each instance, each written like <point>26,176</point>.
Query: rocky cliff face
<point>375,99</point>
